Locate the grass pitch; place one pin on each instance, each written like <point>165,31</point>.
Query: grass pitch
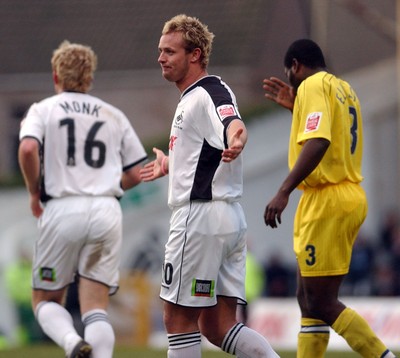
<point>52,351</point>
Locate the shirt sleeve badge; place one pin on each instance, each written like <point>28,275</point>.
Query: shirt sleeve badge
<point>312,122</point>
<point>226,110</point>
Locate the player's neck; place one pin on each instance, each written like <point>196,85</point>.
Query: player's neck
<point>190,79</point>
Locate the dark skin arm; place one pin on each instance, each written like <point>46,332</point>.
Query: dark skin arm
<point>312,153</point>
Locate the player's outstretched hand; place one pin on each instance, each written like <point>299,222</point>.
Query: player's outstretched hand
<point>279,92</point>
<point>154,169</point>
<point>235,147</point>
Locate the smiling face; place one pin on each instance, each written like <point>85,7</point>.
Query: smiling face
<point>178,64</point>
<point>173,57</point>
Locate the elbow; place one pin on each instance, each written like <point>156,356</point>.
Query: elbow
<point>321,145</point>
<point>325,143</point>
<point>28,148</point>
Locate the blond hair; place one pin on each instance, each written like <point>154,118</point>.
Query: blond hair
<point>195,34</point>
<point>74,65</point>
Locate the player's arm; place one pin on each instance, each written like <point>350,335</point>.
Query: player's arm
<point>29,161</point>
<point>280,92</point>
<point>312,153</point>
<point>157,168</point>
<point>131,177</point>
<point>237,139</point>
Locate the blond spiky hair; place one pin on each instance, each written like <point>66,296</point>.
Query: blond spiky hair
<point>74,65</point>
<point>195,34</point>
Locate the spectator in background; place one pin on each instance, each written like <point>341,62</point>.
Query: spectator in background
<point>278,278</point>
<point>386,274</point>
<point>254,284</point>
<point>358,282</point>
<point>18,280</point>
<point>384,279</point>
<point>4,344</point>
<point>254,278</point>
<point>390,223</point>
<point>395,250</point>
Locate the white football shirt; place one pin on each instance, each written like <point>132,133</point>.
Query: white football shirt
<point>86,144</point>
<point>198,137</point>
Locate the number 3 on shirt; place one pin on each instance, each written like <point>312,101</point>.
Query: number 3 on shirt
<point>353,129</point>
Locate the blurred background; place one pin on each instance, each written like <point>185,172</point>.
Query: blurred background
<point>360,40</point>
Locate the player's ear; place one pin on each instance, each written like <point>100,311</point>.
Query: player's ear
<point>196,53</point>
<point>295,65</point>
<point>55,78</point>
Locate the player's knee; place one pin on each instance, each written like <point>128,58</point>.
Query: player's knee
<point>212,336</point>
<point>323,310</point>
<point>168,322</point>
<point>301,301</point>
<point>177,323</point>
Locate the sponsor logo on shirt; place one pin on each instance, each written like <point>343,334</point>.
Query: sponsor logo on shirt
<point>47,274</point>
<point>172,140</point>
<point>226,110</point>
<point>203,288</point>
<point>313,121</point>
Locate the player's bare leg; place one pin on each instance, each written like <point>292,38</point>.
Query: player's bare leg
<point>318,300</point>
<point>183,331</point>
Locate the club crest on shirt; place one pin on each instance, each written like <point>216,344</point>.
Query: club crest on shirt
<point>203,288</point>
<point>312,122</point>
<point>47,274</point>
<point>226,110</point>
<point>178,121</point>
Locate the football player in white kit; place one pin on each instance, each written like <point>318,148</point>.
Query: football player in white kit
<point>204,267</point>
<point>77,154</point>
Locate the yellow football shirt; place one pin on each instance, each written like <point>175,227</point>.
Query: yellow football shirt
<point>327,107</point>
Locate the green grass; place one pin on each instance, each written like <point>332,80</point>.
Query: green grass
<point>47,351</point>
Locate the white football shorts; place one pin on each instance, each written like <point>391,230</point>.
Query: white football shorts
<point>205,255</point>
<point>78,234</point>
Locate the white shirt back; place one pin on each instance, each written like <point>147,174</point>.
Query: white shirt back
<point>86,143</point>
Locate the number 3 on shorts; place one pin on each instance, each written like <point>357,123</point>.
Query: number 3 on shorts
<point>311,255</point>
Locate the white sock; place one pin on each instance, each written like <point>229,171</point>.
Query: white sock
<point>99,333</point>
<point>58,324</point>
<point>184,345</point>
<point>245,343</point>
<point>388,354</point>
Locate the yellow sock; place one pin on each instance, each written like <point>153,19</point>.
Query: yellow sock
<point>359,335</point>
<point>313,338</point>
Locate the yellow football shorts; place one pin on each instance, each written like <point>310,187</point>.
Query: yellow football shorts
<point>326,225</point>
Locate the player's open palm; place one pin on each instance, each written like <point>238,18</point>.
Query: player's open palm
<point>280,92</point>
<point>153,170</point>
<point>235,147</point>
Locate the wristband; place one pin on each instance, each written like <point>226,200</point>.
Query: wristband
<point>163,169</point>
